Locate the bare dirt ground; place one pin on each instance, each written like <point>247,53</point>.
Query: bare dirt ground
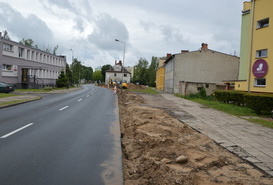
<point>159,149</point>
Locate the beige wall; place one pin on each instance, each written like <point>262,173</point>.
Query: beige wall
<point>204,66</point>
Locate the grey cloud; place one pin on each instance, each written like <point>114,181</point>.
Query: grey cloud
<point>29,27</point>
<point>107,30</point>
<point>79,24</point>
<point>79,7</point>
<point>171,34</point>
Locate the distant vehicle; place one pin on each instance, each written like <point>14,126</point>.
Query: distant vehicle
<point>6,88</point>
<point>124,85</point>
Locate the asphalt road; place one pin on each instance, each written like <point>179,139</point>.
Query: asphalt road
<point>62,139</point>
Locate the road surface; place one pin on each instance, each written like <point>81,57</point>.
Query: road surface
<point>63,139</point>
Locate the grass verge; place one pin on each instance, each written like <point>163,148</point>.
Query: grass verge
<point>234,110</point>
<point>4,95</point>
<point>148,90</point>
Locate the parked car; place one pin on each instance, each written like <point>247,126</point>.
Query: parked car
<point>6,88</point>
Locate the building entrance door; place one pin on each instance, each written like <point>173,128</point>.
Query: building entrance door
<point>24,75</point>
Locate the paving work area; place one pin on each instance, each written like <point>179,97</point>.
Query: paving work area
<point>249,141</point>
<point>169,140</point>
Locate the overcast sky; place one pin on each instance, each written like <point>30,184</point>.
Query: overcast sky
<point>147,27</point>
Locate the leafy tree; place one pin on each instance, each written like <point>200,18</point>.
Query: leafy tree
<point>62,80</point>
<point>55,49</point>
<point>140,72</point>
<point>68,73</point>
<point>76,70</point>
<point>152,72</point>
<point>104,69</point>
<point>27,42</point>
<point>97,76</point>
<point>6,35</point>
<point>87,73</point>
<point>143,74</point>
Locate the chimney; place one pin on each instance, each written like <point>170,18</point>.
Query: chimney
<point>204,46</point>
<point>169,55</point>
<point>184,51</point>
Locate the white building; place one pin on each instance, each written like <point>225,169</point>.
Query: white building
<point>117,74</point>
<point>28,67</point>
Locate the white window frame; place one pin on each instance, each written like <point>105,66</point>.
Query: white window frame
<point>257,83</point>
<point>261,53</point>
<point>7,67</point>
<point>263,23</point>
<point>7,47</point>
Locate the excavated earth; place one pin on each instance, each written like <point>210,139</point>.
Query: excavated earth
<point>159,149</point>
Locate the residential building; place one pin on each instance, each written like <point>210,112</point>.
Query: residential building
<point>160,73</point>
<point>28,67</point>
<point>117,74</point>
<point>187,72</point>
<point>255,74</point>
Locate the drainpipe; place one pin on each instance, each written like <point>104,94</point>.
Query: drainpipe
<point>251,44</point>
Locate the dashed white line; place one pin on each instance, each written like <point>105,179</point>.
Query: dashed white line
<point>79,100</point>
<point>87,96</point>
<point>63,108</point>
<point>15,131</point>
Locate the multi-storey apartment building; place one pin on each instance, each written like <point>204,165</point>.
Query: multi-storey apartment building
<point>256,60</point>
<point>28,67</point>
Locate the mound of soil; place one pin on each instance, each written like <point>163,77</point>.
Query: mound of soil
<point>135,86</point>
<point>159,149</point>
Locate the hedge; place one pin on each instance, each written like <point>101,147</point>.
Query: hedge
<point>259,102</point>
<point>234,97</point>
<point>255,101</point>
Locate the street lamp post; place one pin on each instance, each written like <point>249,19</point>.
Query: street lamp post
<point>72,63</point>
<point>123,58</point>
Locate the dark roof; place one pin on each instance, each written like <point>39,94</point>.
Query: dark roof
<point>123,70</point>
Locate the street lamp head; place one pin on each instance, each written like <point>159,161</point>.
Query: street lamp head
<point>117,40</point>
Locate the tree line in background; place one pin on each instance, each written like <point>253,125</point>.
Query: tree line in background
<point>144,74</point>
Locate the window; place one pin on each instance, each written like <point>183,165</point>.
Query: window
<point>7,47</point>
<point>125,75</point>
<point>261,53</point>
<point>263,23</point>
<point>21,52</point>
<point>260,81</point>
<point>7,67</point>
<point>115,74</point>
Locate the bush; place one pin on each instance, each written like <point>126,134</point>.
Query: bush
<point>259,102</point>
<point>234,97</point>
<point>62,80</point>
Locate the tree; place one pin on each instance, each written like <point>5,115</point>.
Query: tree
<point>140,72</point>
<point>97,76</point>
<point>76,70</point>
<point>152,72</point>
<point>62,80</point>
<point>55,49</point>
<point>68,73</point>
<point>87,73</point>
<point>6,35</point>
<point>27,42</point>
<point>104,69</point>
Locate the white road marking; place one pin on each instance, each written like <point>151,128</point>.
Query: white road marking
<point>63,108</point>
<point>87,96</point>
<point>79,100</point>
<point>11,133</point>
